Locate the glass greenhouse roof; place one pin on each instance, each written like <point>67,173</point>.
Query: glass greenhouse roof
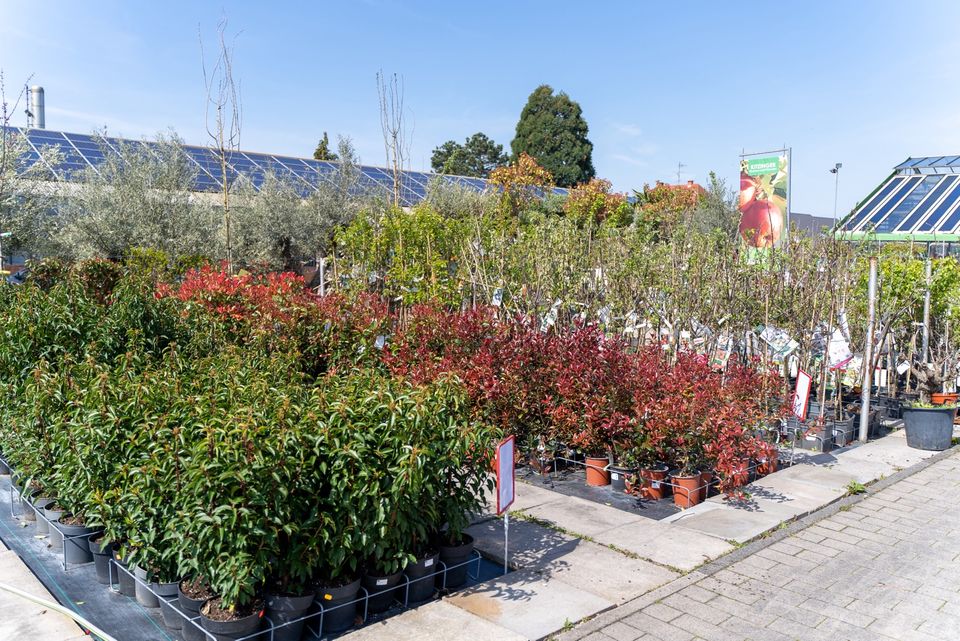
<point>920,200</point>
<point>77,153</point>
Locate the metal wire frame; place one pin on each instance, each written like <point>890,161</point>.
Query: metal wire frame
<point>38,513</point>
<point>314,621</point>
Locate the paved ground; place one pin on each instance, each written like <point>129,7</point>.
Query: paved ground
<point>24,619</point>
<point>886,568</point>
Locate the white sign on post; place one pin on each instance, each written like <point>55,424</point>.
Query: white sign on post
<point>506,485</point>
<point>506,490</point>
<point>801,394</point>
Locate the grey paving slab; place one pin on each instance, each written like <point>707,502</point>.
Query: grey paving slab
<point>582,564</point>
<point>803,485</point>
<point>607,573</point>
<point>728,524</point>
<point>821,477</point>
<point>582,517</point>
<point>438,621</point>
<point>662,543</point>
<point>529,603</point>
<point>23,619</point>
<point>530,544</point>
<point>892,450</point>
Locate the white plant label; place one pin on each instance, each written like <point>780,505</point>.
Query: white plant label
<point>428,563</point>
<point>497,297</point>
<point>381,582</point>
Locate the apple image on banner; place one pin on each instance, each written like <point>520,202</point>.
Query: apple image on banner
<point>761,223</point>
<point>748,190</point>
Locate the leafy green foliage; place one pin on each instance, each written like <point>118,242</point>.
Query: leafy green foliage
<point>552,130</point>
<point>162,418</point>
<point>477,156</point>
<point>323,151</point>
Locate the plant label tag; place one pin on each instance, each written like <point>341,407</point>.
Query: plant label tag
<point>497,297</point>
<point>655,485</point>
<point>381,582</point>
<point>903,367</point>
<point>428,563</point>
<point>380,342</point>
<point>614,476</point>
<point>810,438</point>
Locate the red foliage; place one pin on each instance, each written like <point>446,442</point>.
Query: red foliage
<point>265,298</point>
<point>706,419</point>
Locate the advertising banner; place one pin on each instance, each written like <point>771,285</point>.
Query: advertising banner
<point>764,186</point>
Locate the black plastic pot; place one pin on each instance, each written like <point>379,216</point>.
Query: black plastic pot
<point>171,618</point>
<point>422,579</point>
<point>56,538</point>
<point>190,607</point>
<point>43,526</point>
<point>338,611</point>
<point>101,550</point>
<point>230,630</point>
<point>929,428</point>
<point>145,597</point>
<point>618,477</point>
<point>75,538</point>
<point>284,609</point>
<point>382,591</point>
<point>455,558</point>
<point>128,586</point>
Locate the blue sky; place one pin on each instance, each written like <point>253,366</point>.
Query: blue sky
<point>863,83</point>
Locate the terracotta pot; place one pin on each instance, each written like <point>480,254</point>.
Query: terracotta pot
<point>944,399</point>
<point>705,479</point>
<point>597,474</point>
<point>653,487</point>
<point>686,492</point>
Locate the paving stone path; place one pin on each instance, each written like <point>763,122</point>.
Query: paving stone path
<point>885,569</point>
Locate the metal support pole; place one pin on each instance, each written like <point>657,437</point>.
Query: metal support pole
<point>928,267</point>
<point>506,540</point>
<point>868,352</point>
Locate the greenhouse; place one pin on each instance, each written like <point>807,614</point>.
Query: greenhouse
<point>917,202</point>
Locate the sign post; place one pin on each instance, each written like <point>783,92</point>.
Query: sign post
<point>506,490</point>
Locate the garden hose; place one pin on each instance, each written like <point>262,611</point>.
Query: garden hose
<point>86,625</point>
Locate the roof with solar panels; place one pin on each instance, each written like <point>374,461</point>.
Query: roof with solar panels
<point>919,201</point>
<point>77,153</point>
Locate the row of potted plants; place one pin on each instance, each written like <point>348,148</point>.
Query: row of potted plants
<point>622,408</point>
<point>220,467</point>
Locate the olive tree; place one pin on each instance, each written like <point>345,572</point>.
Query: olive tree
<point>141,197</point>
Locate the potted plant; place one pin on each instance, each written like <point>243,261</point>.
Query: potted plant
<point>647,456</point>
<point>928,426</point>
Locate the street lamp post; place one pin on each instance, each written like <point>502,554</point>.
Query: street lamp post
<point>836,189</point>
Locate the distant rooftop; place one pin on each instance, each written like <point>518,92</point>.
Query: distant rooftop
<point>80,152</point>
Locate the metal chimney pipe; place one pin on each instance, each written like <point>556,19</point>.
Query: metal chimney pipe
<point>36,107</point>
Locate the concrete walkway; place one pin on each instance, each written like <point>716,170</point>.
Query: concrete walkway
<point>575,559</point>
<point>24,619</point>
<point>879,569</point>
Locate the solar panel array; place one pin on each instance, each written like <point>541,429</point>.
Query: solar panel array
<point>78,153</point>
<point>921,197</point>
